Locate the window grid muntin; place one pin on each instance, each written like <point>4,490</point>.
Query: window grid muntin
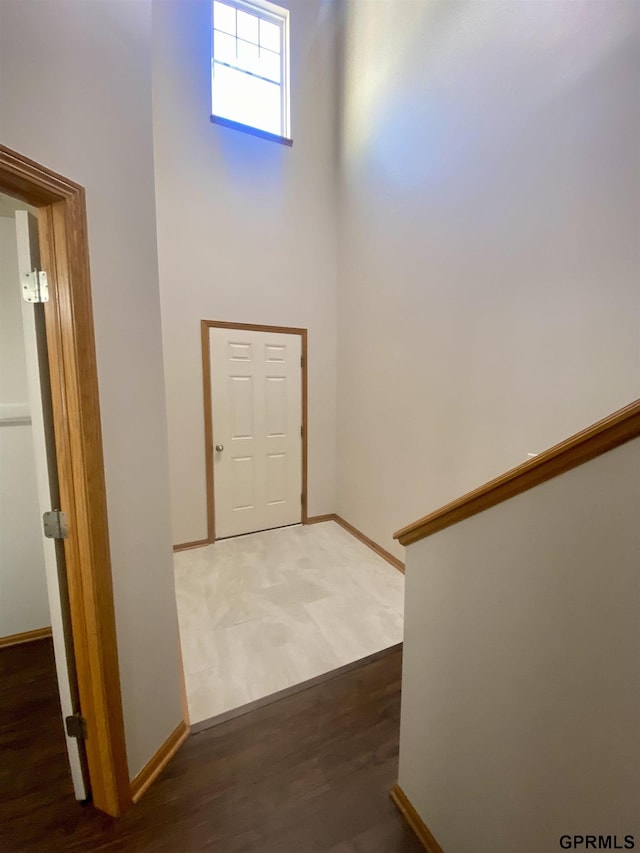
<point>277,22</point>
<point>238,67</point>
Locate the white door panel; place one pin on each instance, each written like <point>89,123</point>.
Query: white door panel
<point>256,386</point>
<point>28,258</point>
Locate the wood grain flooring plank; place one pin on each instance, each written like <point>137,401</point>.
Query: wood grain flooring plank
<point>310,772</point>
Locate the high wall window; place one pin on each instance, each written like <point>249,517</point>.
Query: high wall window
<point>250,67</point>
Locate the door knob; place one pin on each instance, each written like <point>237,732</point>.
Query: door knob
<point>219,447</point>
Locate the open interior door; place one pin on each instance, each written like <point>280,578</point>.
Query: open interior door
<point>48,493</point>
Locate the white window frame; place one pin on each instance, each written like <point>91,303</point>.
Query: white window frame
<point>276,15</point>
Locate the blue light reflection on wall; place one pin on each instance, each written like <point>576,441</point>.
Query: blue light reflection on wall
<point>412,148</point>
<point>251,163</point>
<point>409,102</point>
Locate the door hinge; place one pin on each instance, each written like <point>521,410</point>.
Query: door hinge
<point>55,524</point>
<point>35,287</point>
<point>301,361</point>
<point>76,726</point>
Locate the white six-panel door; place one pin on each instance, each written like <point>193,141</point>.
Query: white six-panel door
<point>256,393</point>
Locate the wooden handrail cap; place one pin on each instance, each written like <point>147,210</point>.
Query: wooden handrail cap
<point>610,432</point>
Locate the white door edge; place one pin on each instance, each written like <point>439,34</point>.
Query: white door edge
<point>25,254</point>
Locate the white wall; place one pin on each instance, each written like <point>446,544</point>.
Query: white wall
<point>23,589</point>
<point>246,233</point>
<point>75,95</point>
<point>521,681</point>
<point>488,254</point>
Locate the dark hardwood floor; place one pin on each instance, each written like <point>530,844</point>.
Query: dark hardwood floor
<point>311,772</point>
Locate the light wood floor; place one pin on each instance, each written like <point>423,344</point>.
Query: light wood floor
<point>261,613</point>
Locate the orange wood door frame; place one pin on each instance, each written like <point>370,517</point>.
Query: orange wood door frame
<point>64,251</point>
<point>205,325</point>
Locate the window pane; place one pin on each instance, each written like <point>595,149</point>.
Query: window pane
<point>224,18</point>
<point>270,36</point>
<point>246,99</point>
<point>270,65</point>
<point>224,48</point>
<point>250,58</point>
<point>247,27</point>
